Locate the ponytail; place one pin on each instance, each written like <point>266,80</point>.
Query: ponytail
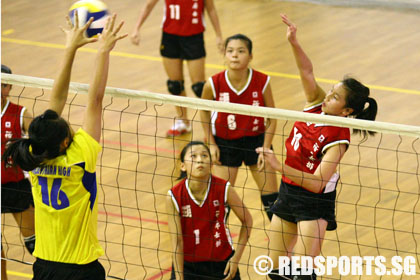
<point>356,99</point>
<point>46,133</point>
<point>18,154</point>
<point>369,113</point>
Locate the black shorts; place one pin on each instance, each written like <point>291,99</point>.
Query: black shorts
<point>234,152</point>
<point>183,47</point>
<point>16,197</point>
<point>205,270</point>
<point>295,204</point>
<point>47,270</point>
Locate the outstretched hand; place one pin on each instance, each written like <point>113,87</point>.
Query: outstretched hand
<point>109,36</point>
<point>270,158</point>
<point>291,28</point>
<point>76,35</point>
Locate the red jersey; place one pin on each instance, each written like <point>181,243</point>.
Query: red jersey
<point>11,127</point>
<point>206,237</point>
<point>233,126</point>
<point>183,17</point>
<point>308,142</point>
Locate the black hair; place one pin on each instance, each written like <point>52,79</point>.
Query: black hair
<point>241,37</point>
<point>183,174</point>
<point>5,69</point>
<point>356,99</point>
<point>46,133</point>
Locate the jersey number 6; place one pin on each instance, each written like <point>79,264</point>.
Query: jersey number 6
<point>56,194</point>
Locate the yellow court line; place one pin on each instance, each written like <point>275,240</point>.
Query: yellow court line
<point>20,274</point>
<point>213,66</point>
<point>8,31</point>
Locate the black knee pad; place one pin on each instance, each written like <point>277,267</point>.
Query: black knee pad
<point>198,88</point>
<point>175,87</point>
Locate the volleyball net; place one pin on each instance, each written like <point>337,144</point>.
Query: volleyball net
<point>378,195</point>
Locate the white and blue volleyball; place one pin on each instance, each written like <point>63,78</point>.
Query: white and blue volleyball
<point>87,9</point>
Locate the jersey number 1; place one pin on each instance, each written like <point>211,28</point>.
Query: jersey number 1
<point>174,12</point>
<point>197,236</point>
<point>56,194</point>
<point>296,138</point>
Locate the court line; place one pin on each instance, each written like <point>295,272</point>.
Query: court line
<point>8,31</point>
<point>208,65</point>
<point>132,218</point>
<point>20,274</point>
<point>160,274</point>
<point>145,220</point>
<point>29,276</point>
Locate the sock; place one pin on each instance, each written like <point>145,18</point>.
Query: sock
<point>30,243</point>
<point>268,200</point>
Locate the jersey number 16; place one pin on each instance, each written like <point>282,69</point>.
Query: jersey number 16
<point>59,199</point>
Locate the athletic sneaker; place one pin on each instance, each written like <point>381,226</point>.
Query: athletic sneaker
<point>178,129</point>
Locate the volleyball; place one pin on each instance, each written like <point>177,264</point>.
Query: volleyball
<point>87,9</point>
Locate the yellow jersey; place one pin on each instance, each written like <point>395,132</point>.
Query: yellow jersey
<point>66,210</point>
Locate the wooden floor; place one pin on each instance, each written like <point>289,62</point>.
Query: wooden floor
<point>377,207</point>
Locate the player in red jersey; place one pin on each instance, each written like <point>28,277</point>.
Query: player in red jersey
<point>16,195</point>
<point>198,209</point>
<point>233,138</point>
<point>305,208</point>
<point>182,39</point>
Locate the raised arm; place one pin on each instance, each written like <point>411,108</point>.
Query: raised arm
<point>177,241</point>
<point>214,18</point>
<point>75,39</point>
<point>206,123</point>
<point>243,214</point>
<point>92,122</point>
<point>144,14</point>
<point>314,94</point>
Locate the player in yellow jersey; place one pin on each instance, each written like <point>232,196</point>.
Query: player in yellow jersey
<point>62,168</point>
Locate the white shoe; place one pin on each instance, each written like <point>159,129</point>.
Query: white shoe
<point>178,129</point>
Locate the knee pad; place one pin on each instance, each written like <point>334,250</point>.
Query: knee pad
<point>198,88</point>
<point>175,87</point>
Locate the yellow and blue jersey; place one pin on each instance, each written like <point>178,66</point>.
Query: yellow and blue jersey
<point>65,197</point>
